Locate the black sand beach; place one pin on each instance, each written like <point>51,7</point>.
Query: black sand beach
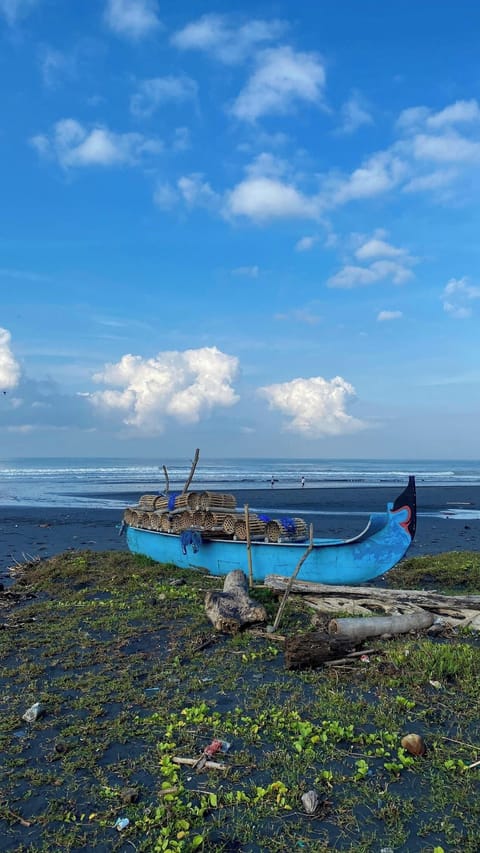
<point>46,531</point>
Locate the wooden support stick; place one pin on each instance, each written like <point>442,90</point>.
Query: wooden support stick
<point>192,471</point>
<point>291,580</point>
<point>191,762</point>
<point>167,481</point>
<point>249,547</point>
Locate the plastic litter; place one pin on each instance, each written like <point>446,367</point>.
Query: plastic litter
<point>32,713</point>
<point>121,823</point>
<point>310,802</point>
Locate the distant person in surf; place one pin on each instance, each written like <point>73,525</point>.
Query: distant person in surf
<point>303,482</point>
<point>272,482</point>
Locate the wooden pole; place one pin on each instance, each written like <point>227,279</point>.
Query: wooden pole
<point>249,547</point>
<point>192,471</point>
<point>291,580</point>
<point>167,481</point>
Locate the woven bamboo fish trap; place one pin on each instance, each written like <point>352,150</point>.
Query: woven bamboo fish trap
<point>166,522</point>
<point>213,519</point>
<point>229,524</point>
<point>151,502</point>
<point>193,500</point>
<point>295,531</point>
<point>144,520</point>
<point>216,533</point>
<point>256,527</point>
<point>176,525</point>
<point>198,518</point>
<point>129,515</point>
<point>212,500</point>
<point>156,520</point>
<point>186,519</point>
<point>134,517</point>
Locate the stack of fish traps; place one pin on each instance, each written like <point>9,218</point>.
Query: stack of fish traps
<point>214,515</point>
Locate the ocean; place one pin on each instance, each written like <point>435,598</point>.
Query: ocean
<point>103,482</point>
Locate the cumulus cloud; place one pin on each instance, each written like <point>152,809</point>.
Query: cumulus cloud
<point>384,261</point>
<point>448,148</point>
<point>262,199</point>
<point>15,10</point>
<point>384,316</point>
<point>376,247</point>
<point>181,385</point>
<point>132,19</point>
<point>9,367</point>
<point>458,295</point>
<point>225,40</point>
<point>354,114</point>
<point>156,91</point>
<point>316,407</point>
<point>73,145</point>
<point>281,79</point>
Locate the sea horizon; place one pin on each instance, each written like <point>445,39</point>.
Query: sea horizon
<point>103,481</point>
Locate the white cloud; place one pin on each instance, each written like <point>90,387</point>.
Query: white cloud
<point>384,316</point>
<point>451,147</point>
<point>152,93</point>
<point>248,272</point>
<point>262,199</point>
<point>384,261</point>
<point>432,181</point>
<point>9,367</point>
<point>379,173</point>
<point>354,114</point>
<point>305,243</point>
<point>282,78</point>
<point>458,294</point>
<point>181,385</point>
<point>316,406</point>
<point>132,19</point>
<point>222,38</point>
<point>73,145</point>
<point>196,192</point>
<point>458,113</point>
<point>377,248</point>
<point>15,10</point>
<point>353,276</point>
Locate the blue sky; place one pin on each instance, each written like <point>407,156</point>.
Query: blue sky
<point>251,229</point>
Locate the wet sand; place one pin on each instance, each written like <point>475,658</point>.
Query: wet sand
<point>43,531</point>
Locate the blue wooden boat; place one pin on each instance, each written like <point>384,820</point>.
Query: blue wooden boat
<point>379,547</point>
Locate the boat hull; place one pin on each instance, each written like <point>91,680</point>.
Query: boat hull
<point>373,552</point>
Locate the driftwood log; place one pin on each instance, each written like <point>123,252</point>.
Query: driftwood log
<point>357,630</point>
<point>455,610</point>
<point>232,609</point>
<point>313,649</point>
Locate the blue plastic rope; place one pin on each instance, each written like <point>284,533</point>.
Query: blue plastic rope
<point>190,537</point>
<point>171,500</point>
<point>265,518</point>
<point>288,524</point>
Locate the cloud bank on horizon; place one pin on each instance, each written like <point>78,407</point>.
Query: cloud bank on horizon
<point>222,220</point>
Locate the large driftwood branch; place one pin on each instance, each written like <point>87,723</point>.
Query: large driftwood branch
<point>424,598</point>
<point>356,630</point>
<point>232,609</point>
